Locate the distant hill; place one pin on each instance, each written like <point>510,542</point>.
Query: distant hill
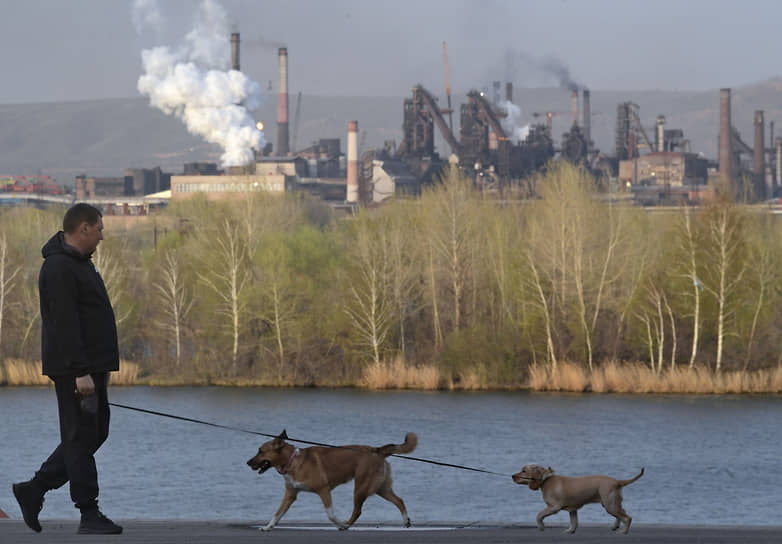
<point>103,137</point>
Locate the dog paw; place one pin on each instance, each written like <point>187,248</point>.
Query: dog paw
<point>265,528</point>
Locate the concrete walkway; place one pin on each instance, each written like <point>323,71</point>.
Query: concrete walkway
<point>215,532</point>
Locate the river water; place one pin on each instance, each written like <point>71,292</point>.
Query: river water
<point>708,459</point>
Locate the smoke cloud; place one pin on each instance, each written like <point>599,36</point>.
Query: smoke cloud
<point>561,73</point>
<point>146,14</point>
<point>194,83</point>
<point>510,124</point>
<point>549,68</point>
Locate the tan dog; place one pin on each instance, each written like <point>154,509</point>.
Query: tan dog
<point>320,469</point>
<point>570,494</point>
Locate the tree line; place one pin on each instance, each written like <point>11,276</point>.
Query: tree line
<point>277,289</point>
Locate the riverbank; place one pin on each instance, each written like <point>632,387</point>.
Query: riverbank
<point>172,532</point>
<point>611,377</point>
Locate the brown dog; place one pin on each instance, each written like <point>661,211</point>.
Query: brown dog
<point>570,494</point>
<point>320,469</point>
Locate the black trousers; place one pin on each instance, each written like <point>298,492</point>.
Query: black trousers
<point>81,434</point>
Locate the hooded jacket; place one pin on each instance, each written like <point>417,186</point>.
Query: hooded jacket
<point>78,330</point>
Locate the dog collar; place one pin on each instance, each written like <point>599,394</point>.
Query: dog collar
<point>294,453</point>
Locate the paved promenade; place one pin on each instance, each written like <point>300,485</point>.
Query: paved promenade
<point>217,532</point>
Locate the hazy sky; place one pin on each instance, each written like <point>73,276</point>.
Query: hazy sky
<point>52,50</point>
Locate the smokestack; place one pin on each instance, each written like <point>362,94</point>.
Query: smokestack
<point>235,51</point>
<point>352,178</point>
<point>509,91</point>
<point>282,104</point>
<point>659,144</point>
<point>574,106</point>
<point>778,144</point>
<point>726,149</point>
<point>758,159</point>
<point>586,106</point>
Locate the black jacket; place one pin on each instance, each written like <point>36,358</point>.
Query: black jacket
<point>78,330</point>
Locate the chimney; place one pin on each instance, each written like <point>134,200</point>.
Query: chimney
<point>235,51</point>
<point>726,150</point>
<point>574,106</point>
<point>509,91</point>
<point>659,143</point>
<point>586,107</point>
<point>352,177</point>
<point>758,162</point>
<point>282,104</point>
<point>778,144</point>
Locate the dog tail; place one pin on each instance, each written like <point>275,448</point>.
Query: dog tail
<point>623,483</point>
<point>411,441</point>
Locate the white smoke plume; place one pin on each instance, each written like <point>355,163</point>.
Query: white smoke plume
<point>146,14</point>
<point>195,84</point>
<point>510,124</point>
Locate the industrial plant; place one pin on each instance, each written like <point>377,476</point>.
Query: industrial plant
<point>648,165</point>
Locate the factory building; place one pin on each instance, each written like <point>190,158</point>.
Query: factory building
<point>666,168</point>
<point>135,182</point>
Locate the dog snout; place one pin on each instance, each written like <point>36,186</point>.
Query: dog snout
<point>260,464</point>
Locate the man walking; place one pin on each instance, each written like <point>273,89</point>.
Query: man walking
<point>79,349</point>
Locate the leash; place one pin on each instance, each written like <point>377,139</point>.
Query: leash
<point>238,429</point>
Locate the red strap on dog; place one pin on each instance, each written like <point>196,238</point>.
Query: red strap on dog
<point>287,466</point>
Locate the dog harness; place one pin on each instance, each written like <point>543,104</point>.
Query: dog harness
<point>284,470</point>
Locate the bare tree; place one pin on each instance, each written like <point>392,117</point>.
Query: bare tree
<point>725,265</point>
<point>174,299</point>
<point>227,277</point>
<point>7,275</point>
<point>278,294</point>
<point>405,265</point>
<point>114,272</point>
<point>370,307</point>
<point>763,277</point>
<point>452,236</point>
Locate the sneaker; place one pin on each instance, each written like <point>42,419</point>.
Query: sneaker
<point>30,499</point>
<point>93,522</point>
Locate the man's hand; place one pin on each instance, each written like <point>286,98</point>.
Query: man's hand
<point>85,386</point>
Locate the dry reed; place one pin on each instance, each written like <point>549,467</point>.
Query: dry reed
<point>21,372</point>
<point>399,375</point>
<point>18,372</point>
<point>615,377</point>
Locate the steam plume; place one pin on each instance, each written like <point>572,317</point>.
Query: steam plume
<point>510,124</point>
<point>146,14</point>
<point>194,83</point>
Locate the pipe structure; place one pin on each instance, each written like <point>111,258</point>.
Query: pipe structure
<point>726,149</point>
<point>235,51</point>
<point>758,156</point>
<point>586,108</point>
<point>509,91</point>
<point>282,103</point>
<point>778,145</point>
<point>660,136</point>
<point>352,174</point>
<point>574,106</point>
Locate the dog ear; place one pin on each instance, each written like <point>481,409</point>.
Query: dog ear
<point>283,435</point>
<point>534,485</point>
